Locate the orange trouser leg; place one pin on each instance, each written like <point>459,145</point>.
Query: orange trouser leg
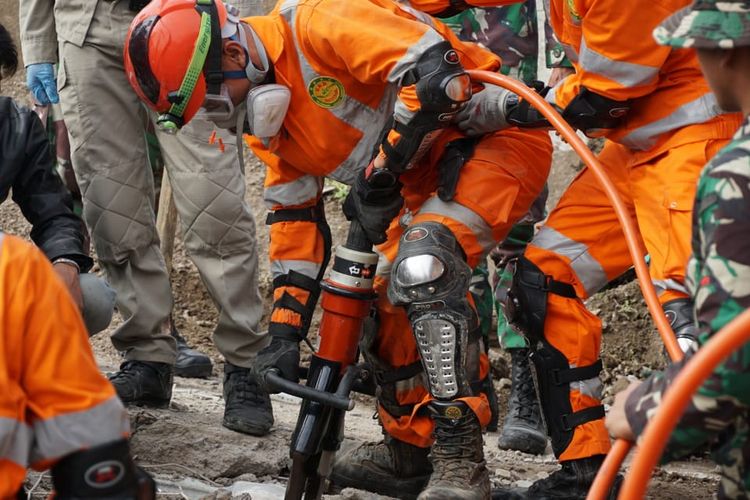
<point>496,187</point>
<point>663,194</point>
<point>582,244</point>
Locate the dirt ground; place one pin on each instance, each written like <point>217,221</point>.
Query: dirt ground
<point>192,455</point>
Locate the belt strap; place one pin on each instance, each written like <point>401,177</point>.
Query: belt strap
<point>561,377</point>
<point>545,283</point>
<point>401,373</point>
<point>309,214</point>
<point>397,410</point>
<point>572,420</point>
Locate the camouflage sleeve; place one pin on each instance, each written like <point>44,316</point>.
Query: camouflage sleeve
<point>719,279</point>
<point>711,411</point>
<point>554,52</point>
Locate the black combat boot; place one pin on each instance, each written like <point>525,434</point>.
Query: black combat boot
<point>247,405</point>
<point>457,457</point>
<point>523,428</point>
<point>571,482</point>
<point>143,383</point>
<point>389,467</point>
<point>190,363</point>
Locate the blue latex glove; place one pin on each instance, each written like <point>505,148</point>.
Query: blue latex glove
<point>40,79</point>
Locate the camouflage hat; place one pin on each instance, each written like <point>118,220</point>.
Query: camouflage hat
<point>707,24</point>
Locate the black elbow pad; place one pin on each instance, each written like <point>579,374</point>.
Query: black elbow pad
<point>595,114</point>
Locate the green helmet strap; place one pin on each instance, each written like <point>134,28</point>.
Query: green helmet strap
<point>172,120</point>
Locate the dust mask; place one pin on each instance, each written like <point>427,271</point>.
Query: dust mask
<point>266,109</point>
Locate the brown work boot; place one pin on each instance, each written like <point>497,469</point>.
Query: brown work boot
<point>389,467</point>
<point>460,472</point>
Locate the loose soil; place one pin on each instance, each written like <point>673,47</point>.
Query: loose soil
<point>191,454</point>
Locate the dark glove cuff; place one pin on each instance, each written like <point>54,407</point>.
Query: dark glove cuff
<point>286,332</point>
<point>371,195</point>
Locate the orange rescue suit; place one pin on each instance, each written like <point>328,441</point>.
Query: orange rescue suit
<point>53,399</point>
<point>344,62</point>
<point>654,157</point>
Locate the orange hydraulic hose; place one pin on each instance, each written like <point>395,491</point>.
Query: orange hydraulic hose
<point>628,226</point>
<point>616,456</point>
<point>607,473</point>
<point>676,399</point>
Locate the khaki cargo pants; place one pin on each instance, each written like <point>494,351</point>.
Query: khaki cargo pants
<point>106,123</point>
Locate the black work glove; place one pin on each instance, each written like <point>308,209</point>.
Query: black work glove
<point>281,355</point>
<point>524,115</point>
<point>373,206</point>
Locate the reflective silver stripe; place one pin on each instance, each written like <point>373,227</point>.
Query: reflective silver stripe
<point>570,51</point>
<point>384,265</point>
<point>281,267</point>
<point>625,73</point>
<point>296,192</point>
<point>551,96</point>
<point>591,387</point>
<point>420,16</point>
<point>465,216</point>
<point>698,111</point>
<point>361,154</point>
<point>590,273</point>
<point>64,434</point>
<point>410,383</point>
<point>16,438</point>
<point>669,284</point>
<point>409,60</point>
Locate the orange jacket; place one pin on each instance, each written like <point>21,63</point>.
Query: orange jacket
<point>615,55</point>
<point>343,62</point>
<point>53,400</point>
<point>450,7</point>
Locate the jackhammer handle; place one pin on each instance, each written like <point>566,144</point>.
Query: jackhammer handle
<point>278,383</point>
<point>356,238</point>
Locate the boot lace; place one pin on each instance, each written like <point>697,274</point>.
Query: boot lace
<point>245,388</point>
<point>523,385</point>
<point>128,371</point>
<point>454,449</point>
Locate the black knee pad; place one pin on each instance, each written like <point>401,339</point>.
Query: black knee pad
<point>526,304</point>
<point>554,376</point>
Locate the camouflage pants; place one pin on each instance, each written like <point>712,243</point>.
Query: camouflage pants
<point>504,257</point>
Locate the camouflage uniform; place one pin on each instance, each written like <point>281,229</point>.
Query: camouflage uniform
<point>719,280</point>
<point>718,274</point>
<point>511,32</point>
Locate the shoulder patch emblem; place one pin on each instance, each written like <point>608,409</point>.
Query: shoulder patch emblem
<point>575,16</point>
<point>326,92</point>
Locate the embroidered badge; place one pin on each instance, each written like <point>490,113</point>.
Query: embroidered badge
<point>326,92</point>
<point>575,16</point>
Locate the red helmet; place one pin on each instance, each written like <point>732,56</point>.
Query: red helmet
<point>173,56</point>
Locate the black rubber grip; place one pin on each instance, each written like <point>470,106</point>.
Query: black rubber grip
<point>335,400</point>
